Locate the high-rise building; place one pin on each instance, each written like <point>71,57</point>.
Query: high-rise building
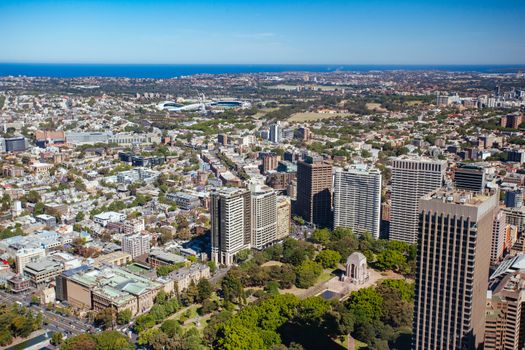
<point>511,120</point>
<point>303,133</point>
<point>412,178</point>
<point>275,133</point>
<point>470,177</point>
<point>222,139</point>
<point>230,223</point>
<point>136,244</point>
<point>515,155</point>
<point>505,320</point>
<point>357,200</point>
<point>314,191</point>
<point>499,236</point>
<point>15,144</point>
<point>269,161</point>
<point>514,199</point>
<point>516,217</point>
<point>264,216</point>
<point>455,229</point>
<point>284,213</point>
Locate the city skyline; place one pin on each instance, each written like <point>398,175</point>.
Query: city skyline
<point>354,32</point>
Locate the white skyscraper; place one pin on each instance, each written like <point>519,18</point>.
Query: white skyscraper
<point>357,199</point>
<point>230,223</point>
<point>412,178</point>
<point>264,216</point>
<point>275,133</point>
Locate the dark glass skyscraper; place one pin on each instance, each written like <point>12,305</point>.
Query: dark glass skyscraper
<point>314,191</point>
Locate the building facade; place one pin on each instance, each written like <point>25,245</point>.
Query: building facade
<point>26,255</point>
<point>314,191</point>
<point>264,216</point>
<point>452,269</point>
<point>470,177</point>
<point>275,134</point>
<point>284,214</point>
<point>504,323</point>
<point>136,244</point>
<point>411,179</point>
<point>230,223</point>
<point>357,200</point>
<point>499,235</point>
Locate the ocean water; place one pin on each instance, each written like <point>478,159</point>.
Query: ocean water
<point>177,70</point>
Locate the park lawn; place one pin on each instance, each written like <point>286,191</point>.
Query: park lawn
<point>203,322</point>
<point>324,276</point>
<point>272,263</point>
<point>373,106</point>
<point>343,341</point>
<point>191,311</point>
<point>360,345</point>
<point>312,116</point>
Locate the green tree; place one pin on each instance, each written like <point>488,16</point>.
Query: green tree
<point>328,258</point>
<point>307,273</point>
<point>105,318</point>
<point>33,197</point>
<point>39,208</point>
<point>112,340</point>
<point>205,289</point>
<point>171,327</point>
<point>321,236</point>
<point>80,216</point>
<point>80,342</point>
<point>243,255</point>
<point>212,265</point>
<point>161,297</point>
<point>144,321</point>
<point>238,337</point>
<point>366,304</point>
<point>272,287</point>
<point>312,310</point>
<point>124,317</point>
<point>35,300</point>
<point>391,260</point>
<point>146,336</point>
<point>232,287</point>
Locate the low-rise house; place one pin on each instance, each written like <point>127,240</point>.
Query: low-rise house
<point>184,276</point>
<point>110,216</point>
<point>18,283</point>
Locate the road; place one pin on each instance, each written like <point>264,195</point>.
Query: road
<point>219,274</point>
<point>68,325</point>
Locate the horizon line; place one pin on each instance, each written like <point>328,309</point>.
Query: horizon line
<point>266,64</point>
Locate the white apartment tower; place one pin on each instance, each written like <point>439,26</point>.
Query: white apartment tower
<point>136,244</point>
<point>275,133</point>
<point>264,216</point>
<point>412,178</point>
<point>357,199</point>
<point>230,223</point>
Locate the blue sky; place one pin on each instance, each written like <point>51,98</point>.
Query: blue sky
<point>268,32</point>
